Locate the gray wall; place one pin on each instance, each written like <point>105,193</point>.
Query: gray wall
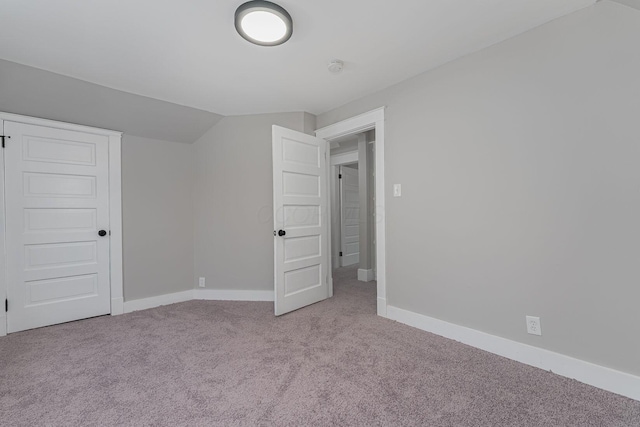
<point>157,216</point>
<point>233,201</point>
<point>366,218</point>
<point>520,168</point>
<point>309,123</point>
<point>371,200</point>
<point>336,220</point>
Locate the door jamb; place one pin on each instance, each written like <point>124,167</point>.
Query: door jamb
<point>371,120</point>
<point>3,257</point>
<point>115,209</point>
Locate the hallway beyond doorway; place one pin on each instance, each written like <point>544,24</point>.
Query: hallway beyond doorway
<point>346,284</point>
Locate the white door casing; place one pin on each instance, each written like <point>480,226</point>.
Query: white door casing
<point>57,199</point>
<point>367,121</point>
<point>349,216</point>
<point>300,209</point>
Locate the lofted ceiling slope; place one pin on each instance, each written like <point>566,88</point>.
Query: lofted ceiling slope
<point>38,93</point>
<point>188,53</point>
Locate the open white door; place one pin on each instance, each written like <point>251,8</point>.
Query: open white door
<point>300,216</point>
<point>350,216</point>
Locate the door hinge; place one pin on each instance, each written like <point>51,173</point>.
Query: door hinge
<point>339,176</point>
<point>6,305</point>
<point>340,253</point>
<point>3,137</point>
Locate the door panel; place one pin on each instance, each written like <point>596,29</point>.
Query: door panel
<point>58,151</point>
<point>300,210</point>
<point>54,185</point>
<point>350,216</point>
<point>298,184</point>
<point>60,220</point>
<point>300,248</point>
<point>57,255</point>
<point>63,289</point>
<point>57,198</point>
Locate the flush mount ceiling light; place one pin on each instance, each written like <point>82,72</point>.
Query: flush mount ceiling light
<point>264,23</point>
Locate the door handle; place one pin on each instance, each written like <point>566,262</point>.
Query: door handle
<point>281,233</point>
<point>102,233</point>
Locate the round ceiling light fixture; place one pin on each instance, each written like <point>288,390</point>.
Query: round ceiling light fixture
<point>263,23</point>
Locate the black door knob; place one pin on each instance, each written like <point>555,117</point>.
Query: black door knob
<point>281,233</point>
<point>102,233</point>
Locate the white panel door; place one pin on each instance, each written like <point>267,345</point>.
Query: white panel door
<point>57,202</point>
<point>300,206</point>
<point>350,215</point>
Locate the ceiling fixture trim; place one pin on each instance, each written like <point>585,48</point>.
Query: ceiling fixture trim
<point>263,23</point>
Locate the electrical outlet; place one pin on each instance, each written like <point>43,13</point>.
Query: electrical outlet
<point>201,282</point>
<point>533,325</point>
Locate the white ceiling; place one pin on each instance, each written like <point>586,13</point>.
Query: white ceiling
<point>187,52</point>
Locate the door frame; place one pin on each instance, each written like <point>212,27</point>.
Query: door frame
<point>115,208</point>
<point>367,121</point>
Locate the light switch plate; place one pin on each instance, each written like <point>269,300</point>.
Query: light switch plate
<point>397,190</point>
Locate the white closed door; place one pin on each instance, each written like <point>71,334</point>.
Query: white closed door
<point>57,202</point>
<point>350,215</point>
<point>300,205</point>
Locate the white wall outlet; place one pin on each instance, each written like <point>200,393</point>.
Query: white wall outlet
<point>533,325</point>
<point>201,282</point>
<point>397,190</point>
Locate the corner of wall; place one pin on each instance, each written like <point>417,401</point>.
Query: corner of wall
<point>309,124</point>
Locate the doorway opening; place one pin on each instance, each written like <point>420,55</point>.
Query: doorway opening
<point>303,265</point>
<point>368,131</point>
<point>352,195</point>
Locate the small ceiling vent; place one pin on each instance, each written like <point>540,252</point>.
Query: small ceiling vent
<point>335,66</point>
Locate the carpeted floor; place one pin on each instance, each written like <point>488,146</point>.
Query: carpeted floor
<point>234,364</point>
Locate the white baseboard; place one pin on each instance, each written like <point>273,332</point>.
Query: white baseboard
<point>382,307</point>
<point>232,295</point>
<point>117,306</point>
<point>3,325</point>
<point>365,275</point>
<point>152,302</point>
<point>197,294</point>
<point>598,376</point>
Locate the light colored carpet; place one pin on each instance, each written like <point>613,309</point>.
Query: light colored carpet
<point>235,364</point>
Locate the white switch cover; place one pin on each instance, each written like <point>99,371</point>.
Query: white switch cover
<point>397,190</point>
<point>533,325</point>
<point>201,282</point>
